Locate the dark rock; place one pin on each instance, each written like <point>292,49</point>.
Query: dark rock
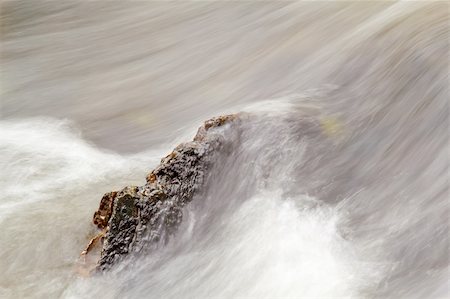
<point>136,217</point>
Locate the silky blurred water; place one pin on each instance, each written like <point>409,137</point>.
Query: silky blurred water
<point>337,186</point>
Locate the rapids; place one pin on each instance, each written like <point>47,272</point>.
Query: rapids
<point>93,94</point>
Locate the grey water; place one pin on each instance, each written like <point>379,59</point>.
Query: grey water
<point>337,186</point>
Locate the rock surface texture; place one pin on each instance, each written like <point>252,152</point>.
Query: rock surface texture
<point>137,218</point>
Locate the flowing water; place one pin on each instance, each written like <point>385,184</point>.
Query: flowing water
<point>336,188</point>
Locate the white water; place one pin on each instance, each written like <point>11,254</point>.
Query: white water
<point>94,94</point>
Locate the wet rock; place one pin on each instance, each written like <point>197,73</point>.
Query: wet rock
<point>135,218</point>
<point>101,217</point>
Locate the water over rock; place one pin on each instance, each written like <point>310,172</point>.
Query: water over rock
<point>136,218</point>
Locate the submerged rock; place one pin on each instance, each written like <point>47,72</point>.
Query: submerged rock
<point>138,217</point>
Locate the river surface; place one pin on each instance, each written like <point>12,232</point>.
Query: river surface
<point>94,93</point>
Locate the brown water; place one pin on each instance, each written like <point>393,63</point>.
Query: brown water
<point>94,93</point>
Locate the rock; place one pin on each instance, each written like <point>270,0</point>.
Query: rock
<point>101,217</point>
<point>137,217</point>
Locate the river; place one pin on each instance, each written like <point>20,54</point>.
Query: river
<point>94,93</point>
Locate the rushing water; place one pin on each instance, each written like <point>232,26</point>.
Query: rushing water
<point>337,188</point>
